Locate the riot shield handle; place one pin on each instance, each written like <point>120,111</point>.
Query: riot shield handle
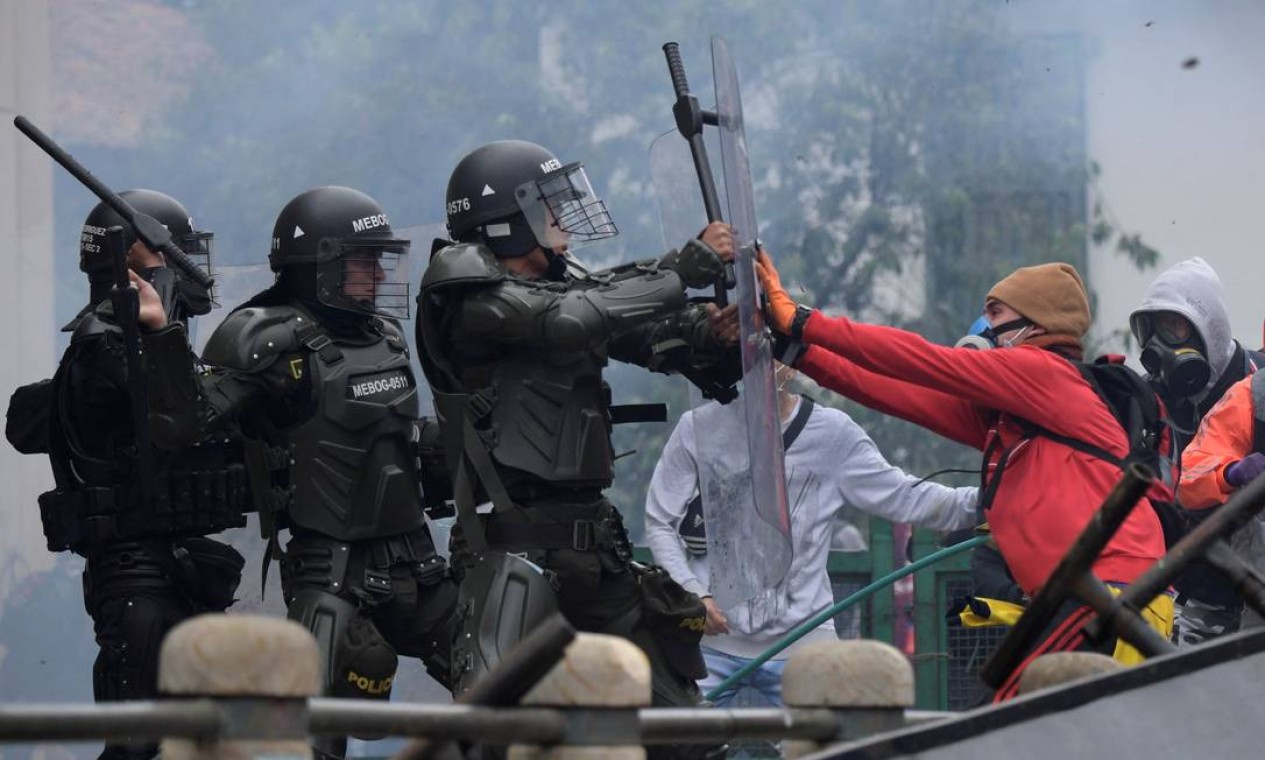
<point>150,231</point>
<point>690,118</point>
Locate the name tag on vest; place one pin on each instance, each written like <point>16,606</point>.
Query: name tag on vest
<point>379,386</point>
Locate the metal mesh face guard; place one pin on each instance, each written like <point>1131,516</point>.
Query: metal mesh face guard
<point>563,210</point>
<point>200,247</point>
<point>367,276</point>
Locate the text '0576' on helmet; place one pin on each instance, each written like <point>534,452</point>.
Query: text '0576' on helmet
<point>338,242</point>
<point>170,212</point>
<point>514,195</point>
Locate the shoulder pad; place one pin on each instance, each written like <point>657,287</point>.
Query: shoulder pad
<point>462,263</point>
<point>251,339</point>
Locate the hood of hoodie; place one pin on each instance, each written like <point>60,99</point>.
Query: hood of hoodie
<point>1193,289</point>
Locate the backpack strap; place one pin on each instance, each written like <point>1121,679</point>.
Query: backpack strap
<point>1142,405</point>
<point>797,423</point>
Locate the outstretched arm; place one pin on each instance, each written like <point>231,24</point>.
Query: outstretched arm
<point>867,481</point>
<point>948,415</point>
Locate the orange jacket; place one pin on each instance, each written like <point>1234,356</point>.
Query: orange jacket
<point>1224,437</point>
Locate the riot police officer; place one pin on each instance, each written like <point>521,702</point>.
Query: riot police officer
<point>514,334</point>
<point>139,517</point>
<point>317,373</point>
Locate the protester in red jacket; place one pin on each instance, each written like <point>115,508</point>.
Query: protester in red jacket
<point>979,398</point>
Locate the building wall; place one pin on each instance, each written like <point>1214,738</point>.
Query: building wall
<point>26,287</point>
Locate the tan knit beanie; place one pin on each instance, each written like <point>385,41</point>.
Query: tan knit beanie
<point>1051,295</point>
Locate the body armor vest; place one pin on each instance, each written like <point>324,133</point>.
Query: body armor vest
<point>354,475</point>
<point>196,491</point>
<point>549,417</point>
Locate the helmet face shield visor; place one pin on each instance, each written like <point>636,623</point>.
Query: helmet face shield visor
<point>563,210</point>
<point>367,276</point>
<point>199,246</point>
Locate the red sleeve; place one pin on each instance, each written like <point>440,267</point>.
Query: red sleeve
<point>1026,381</point>
<point>1224,437</point>
<point>941,413</point>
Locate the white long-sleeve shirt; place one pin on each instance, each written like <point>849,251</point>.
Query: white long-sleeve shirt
<point>833,463</point>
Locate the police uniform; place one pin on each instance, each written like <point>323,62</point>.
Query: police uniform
<point>515,365</point>
<point>138,516</point>
<point>321,385</point>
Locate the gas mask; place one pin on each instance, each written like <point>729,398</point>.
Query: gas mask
<point>1172,353</point>
<point>983,336</point>
<point>1182,370</point>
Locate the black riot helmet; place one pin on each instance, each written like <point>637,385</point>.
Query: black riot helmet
<point>514,195</point>
<point>182,296</point>
<point>170,212</point>
<point>340,241</point>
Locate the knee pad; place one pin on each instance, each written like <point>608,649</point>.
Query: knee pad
<point>364,663</point>
<point>130,631</point>
<point>501,598</point>
<point>356,661</point>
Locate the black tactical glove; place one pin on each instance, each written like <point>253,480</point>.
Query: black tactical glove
<point>697,264</point>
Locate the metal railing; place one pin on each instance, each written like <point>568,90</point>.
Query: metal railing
<point>270,719</point>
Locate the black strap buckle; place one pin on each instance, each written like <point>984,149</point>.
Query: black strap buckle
<point>480,404</point>
<point>323,346</point>
<point>377,582</point>
<point>584,535</point>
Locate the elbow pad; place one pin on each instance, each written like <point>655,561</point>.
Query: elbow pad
<point>584,318</point>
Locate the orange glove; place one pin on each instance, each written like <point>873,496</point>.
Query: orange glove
<point>781,309</point>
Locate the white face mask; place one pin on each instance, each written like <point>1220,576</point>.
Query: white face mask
<point>1018,336</point>
<point>782,376</point>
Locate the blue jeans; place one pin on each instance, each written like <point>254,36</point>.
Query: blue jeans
<point>767,679</point>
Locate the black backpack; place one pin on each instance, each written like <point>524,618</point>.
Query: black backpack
<point>1135,405</point>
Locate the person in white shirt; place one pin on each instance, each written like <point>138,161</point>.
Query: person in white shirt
<point>831,463</point>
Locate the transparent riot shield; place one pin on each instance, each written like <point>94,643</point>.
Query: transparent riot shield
<point>763,422</point>
<point>739,451</point>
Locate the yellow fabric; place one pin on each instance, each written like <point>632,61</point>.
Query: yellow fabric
<point>1158,614</point>
<point>998,612</point>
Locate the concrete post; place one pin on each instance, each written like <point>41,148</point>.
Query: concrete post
<point>1060,667</point>
<point>868,682</point>
<point>242,656</point>
<point>597,672</point>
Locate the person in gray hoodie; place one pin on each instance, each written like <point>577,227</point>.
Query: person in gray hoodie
<point>1191,359</point>
<point>830,464</point>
